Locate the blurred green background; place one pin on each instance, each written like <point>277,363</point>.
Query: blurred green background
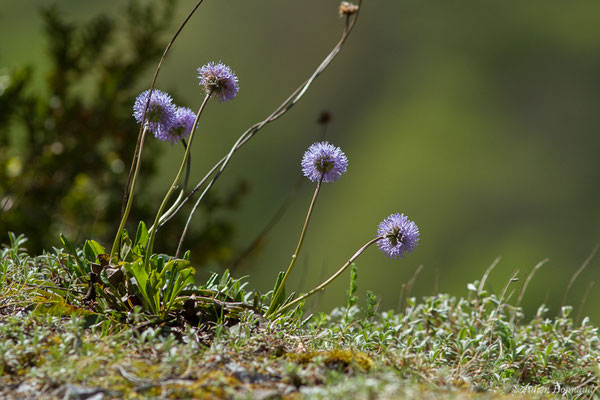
<point>479,120</point>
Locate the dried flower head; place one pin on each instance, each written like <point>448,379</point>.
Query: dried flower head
<point>219,79</point>
<point>181,126</point>
<point>160,113</point>
<point>347,8</point>
<point>324,160</point>
<point>401,235</point>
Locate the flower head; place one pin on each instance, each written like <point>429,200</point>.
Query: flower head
<point>181,127</point>
<point>401,235</point>
<point>160,113</point>
<point>219,79</point>
<point>324,160</point>
<point>347,8</point>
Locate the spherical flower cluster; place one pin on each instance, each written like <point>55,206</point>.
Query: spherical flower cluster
<point>219,80</point>
<point>400,235</point>
<point>181,126</point>
<point>165,120</point>
<point>324,160</point>
<point>160,114</point>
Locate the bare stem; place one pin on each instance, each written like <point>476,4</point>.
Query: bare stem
<point>183,188</point>
<point>328,281</point>
<point>524,287</point>
<point>277,216</point>
<point>579,271</point>
<point>137,154</point>
<point>278,293</point>
<point>117,242</point>
<point>218,168</point>
<point>175,181</point>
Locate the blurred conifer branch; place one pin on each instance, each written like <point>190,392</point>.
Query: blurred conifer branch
<point>63,149</point>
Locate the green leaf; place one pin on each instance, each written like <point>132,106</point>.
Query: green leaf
<point>73,251</point>
<point>351,299</point>
<point>548,350</point>
<point>256,300</point>
<point>137,270</point>
<point>157,262</point>
<point>178,274</point>
<point>212,281</point>
<point>91,250</point>
<point>141,236</point>
<point>125,250</point>
<point>275,302</point>
<point>371,304</point>
<point>57,305</point>
<point>289,299</point>
<point>225,279</point>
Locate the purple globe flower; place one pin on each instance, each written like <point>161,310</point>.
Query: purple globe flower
<point>401,235</point>
<point>181,127</point>
<point>326,160</point>
<point>160,113</point>
<point>219,79</point>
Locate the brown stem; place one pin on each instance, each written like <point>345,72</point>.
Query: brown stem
<point>218,168</point>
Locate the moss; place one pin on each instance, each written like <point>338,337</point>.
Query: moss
<point>211,385</point>
<point>342,359</point>
<point>215,382</point>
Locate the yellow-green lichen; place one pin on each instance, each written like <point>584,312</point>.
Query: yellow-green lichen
<point>343,359</point>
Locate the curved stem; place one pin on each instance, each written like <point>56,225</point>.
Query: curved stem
<point>175,181</point>
<point>188,167</point>
<point>275,219</point>
<point>281,286</point>
<point>181,192</point>
<point>189,220</point>
<point>117,242</point>
<point>137,154</point>
<point>329,280</point>
<point>279,111</point>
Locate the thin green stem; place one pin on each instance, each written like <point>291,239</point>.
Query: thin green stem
<point>174,184</point>
<point>328,281</point>
<point>181,192</point>
<point>117,242</point>
<point>279,291</point>
<point>137,154</point>
<point>275,219</point>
